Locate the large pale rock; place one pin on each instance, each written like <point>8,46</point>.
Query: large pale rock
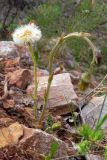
<point>62,94</point>
<point>8,49</point>
<point>10,135</point>
<point>92,110</point>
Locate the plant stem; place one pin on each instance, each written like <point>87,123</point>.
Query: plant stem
<point>46,94</point>
<point>51,58</point>
<point>94,55</point>
<point>35,80</point>
<point>85,37</point>
<point>102,108</point>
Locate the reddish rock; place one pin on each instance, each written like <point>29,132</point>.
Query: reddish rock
<point>28,116</point>
<point>20,78</point>
<point>62,94</point>
<point>11,64</point>
<point>8,103</point>
<point>39,142</point>
<point>5,122</point>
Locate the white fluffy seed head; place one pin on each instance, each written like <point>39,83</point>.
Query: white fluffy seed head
<point>26,33</point>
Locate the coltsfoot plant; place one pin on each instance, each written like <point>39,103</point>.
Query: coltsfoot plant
<point>29,35</point>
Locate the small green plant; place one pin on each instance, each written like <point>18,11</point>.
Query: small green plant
<point>83,147</point>
<point>91,136</point>
<point>51,126</point>
<point>105,153</point>
<point>52,153</point>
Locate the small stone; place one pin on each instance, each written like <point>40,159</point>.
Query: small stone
<point>94,157</point>
<point>10,135</point>
<point>20,78</point>
<point>11,64</point>
<point>8,103</point>
<point>5,122</point>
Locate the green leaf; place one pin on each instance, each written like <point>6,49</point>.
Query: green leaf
<point>54,148</point>
<point>86,131</point>
<point>48,157</point>
<point>97,136</point>
<point>100,123</point>
<point>105,153</point>
<point>83,147</point>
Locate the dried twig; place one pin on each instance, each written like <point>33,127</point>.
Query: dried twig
<point>5,90</point>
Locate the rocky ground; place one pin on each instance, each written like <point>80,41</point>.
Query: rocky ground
<point>67,108</point>
<point>19,140</point>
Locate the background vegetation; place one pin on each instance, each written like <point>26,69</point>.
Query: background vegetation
<point>64,16</point>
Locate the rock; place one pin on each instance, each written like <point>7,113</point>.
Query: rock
<point>42,72</point>
<point>93,157</point>
<point>10,135</point>
<point>8,103</point>
<point>39,142</point>
<point>3,113</point>
<point>27,115</point>
<point>62,94</point>
<point>26,62</point>
<point>20,78</point>
<point>5,122</point>
<point>32,145</point>
<point>8,49</point>
<point>92,110</point>
<point>11,64</point>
